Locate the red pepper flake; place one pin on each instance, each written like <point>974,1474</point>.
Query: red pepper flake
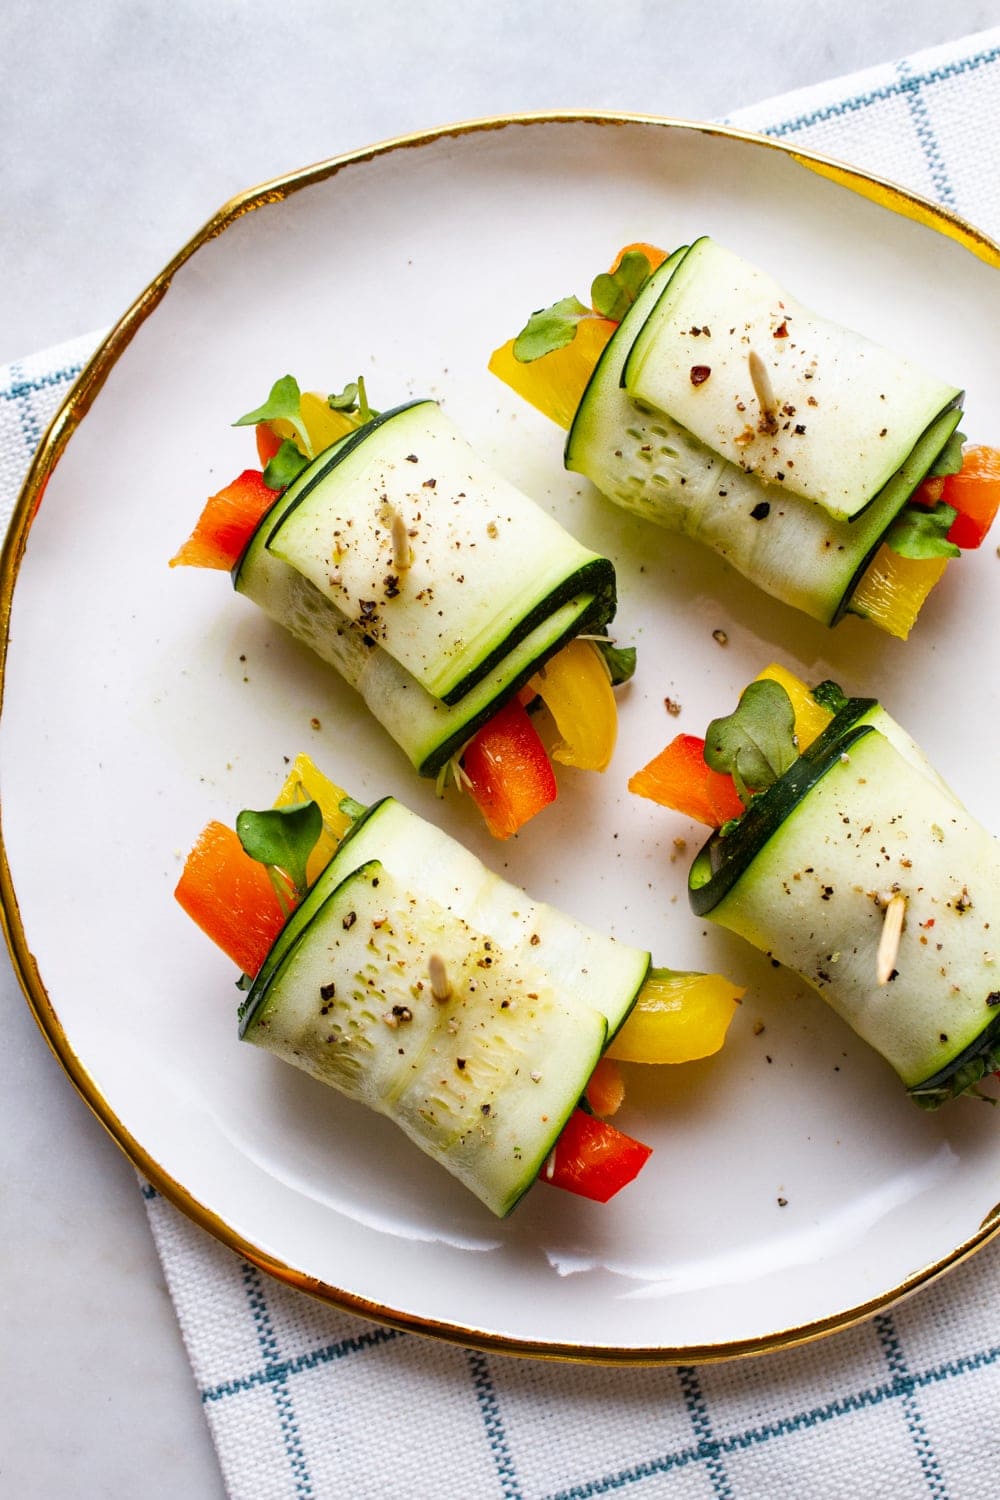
<point>781,332</point>
<point>700,373</point>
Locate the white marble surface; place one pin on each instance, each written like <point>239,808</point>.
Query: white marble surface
<point>119,139</point>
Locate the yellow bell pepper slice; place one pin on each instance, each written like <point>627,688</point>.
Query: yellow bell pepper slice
<point>323,425</point>
<point>677,1018</point>
<point>575,686</point>
<point>893,589</point>
<point>810,717</point>
<point>555,383</point>
<point>304,783</point>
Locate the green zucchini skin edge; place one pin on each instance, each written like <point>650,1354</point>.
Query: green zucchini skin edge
<point>962,1074</point>
<point>297,922</point>
<point>319,468</point>
<point>905,482</point>
<point>433,763</point>
<point>727,856</point>
<point>625,332</point>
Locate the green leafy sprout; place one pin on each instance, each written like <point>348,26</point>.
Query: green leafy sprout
<point>284,404</point>
<point>352,398</point>
<point>756,742</point>
<point>611,296</point>
<point>921,531</point>
<point>282,839</point>
<point>620,661</point>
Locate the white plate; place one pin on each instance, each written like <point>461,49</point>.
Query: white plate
<point>793,1187</point>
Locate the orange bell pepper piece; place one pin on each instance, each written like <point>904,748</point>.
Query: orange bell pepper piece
<point>231,897</point>
<point>678,778</point>
<point>227,522</point>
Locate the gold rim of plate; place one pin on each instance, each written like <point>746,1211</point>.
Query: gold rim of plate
<point>886,194</point>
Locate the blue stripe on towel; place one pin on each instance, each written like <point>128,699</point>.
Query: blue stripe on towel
<point>920,115</point>
<point>708,1446</point>
<point>894,1358</point>
<point>281,1369</point>
<point>290,1435</point>
<point>914,81</point>
<point>901,1387</point>
<point>496,1435</point>
<point>20,390</point>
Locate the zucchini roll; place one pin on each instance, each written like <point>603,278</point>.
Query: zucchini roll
<point>707,399</point>
<point>384,959</point>
<point>844,856</point>
<point>440,592</point>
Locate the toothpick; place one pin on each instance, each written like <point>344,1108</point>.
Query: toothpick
<point>763,390</point>
<point>440,985</point>
<point>402,556</point>
<point>892,931</point>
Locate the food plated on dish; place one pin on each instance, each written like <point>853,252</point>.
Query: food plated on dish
<point>184,701</point>
<point>385,959</point>
<point>839,851</point>
<point>701,395</point>
<point>445,596</point>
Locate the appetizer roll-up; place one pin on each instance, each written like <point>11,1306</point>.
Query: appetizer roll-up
<point>843,855</point>
<point>384,959</point>
<point>708,400</point>
<point>438,590</point>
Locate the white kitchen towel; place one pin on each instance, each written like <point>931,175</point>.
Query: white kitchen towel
<point>305,1401</point>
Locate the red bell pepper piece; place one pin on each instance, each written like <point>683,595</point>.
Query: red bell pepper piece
<point>593,1159</point>
<point>974,492</point>
<point>227,522</point>
<point>679,778</point>
<point>510,776</point>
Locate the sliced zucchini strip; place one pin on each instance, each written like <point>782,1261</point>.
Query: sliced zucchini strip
<point>437,557</point>
<point>828,414</point>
